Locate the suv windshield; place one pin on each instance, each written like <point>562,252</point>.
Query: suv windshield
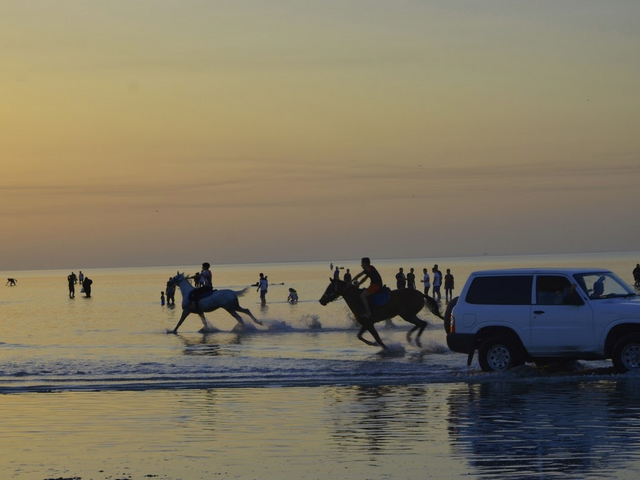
<point>600,285</point>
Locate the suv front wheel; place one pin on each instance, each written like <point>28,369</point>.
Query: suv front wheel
<point>498,353</point>
<point>626,353</point>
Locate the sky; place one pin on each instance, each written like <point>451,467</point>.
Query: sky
<point>161,132</point>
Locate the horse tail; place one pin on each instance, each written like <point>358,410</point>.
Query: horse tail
<point>432,305</point>
<point>240,293</point>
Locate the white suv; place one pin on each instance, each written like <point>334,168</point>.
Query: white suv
<point>541,315</point>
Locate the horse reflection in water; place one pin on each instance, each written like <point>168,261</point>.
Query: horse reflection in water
<point>225,299</point>
<point>405,303</point>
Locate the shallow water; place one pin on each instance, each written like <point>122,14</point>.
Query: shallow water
<point>95,388</point>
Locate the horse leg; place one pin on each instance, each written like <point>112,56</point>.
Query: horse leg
<point>418,325</point>
<point>371,329</point>
<point>235,315</point>
<point>361,338</point>
<point>246,311</point>
<point>207,327</point>
<point>184,315</point>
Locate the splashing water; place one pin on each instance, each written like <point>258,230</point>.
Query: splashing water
<point>434,348</point>
<point>393,350</point>
<point>311,321</point>
<point>276,325</point>
<point>208,327</point>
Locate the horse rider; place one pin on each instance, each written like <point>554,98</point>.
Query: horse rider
<point>375,283</point>
<point>206,280</point>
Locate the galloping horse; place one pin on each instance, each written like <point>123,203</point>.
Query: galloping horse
<point>406,303</point>
<point>226,299</point>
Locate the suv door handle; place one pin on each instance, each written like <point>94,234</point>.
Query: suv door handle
<point>539,312</point>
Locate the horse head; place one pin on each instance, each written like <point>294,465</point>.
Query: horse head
<point>333,291</point>
<point>178,278</point>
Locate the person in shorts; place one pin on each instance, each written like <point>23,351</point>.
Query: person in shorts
<point>375,283</point>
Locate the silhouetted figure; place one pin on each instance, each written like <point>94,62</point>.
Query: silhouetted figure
<point>401,280</point>
<point>426,280</point>
<point>598,287</point>
<point>411,279</point>
<point>437,282</point>
<point>12,282</point>
<point>448,286</point>
<point>293,296</point>
<point>171,293</point>
<point>347,276</point>
<point>86,285</point>
<point>263,287</point>
<point>71,279</point>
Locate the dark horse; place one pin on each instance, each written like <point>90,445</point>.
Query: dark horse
<point>406,303</point>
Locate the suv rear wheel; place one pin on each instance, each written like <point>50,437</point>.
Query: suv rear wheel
<point>499,352</point>
<point>626,353</point>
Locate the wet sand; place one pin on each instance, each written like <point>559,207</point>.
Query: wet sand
<point>518,428</point>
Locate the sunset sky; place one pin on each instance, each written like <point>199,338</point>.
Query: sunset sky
<point>157,132</point>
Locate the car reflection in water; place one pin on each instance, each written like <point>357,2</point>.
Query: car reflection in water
<point>514,429</point>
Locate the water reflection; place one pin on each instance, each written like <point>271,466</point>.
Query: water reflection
<point>537,429</point>
<point>378,420</point>
<point>209,344</point>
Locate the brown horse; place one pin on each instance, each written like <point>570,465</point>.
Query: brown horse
<point>405,303</point>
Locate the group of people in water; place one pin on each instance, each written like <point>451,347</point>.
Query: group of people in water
<point>81,279</point>
<point>409,281</point>
<point>203,281</point>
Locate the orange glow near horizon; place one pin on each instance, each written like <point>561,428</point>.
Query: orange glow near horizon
<point>171,132</point>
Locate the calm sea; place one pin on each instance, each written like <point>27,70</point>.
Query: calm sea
<point>96,389</point>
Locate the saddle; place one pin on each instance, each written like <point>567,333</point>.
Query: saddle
<point>200,293</point>
<point>381,298</point>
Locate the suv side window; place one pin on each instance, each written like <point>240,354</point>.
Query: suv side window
<point>552,289</point>
<point>500,290</point>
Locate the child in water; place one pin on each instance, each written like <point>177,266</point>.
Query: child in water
<point>293,296</point>
<point>161,298</point>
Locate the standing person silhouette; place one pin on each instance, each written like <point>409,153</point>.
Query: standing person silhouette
<point>375,283</point>
<point>411,279</point>
<point>437,281</point>
<point>401,280</point>
<point>71,279</point>
<point>347,276</point>
<point>171,293</point>
<point>426,280</point>
<point>448,286</point>
<point>263,287</point>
